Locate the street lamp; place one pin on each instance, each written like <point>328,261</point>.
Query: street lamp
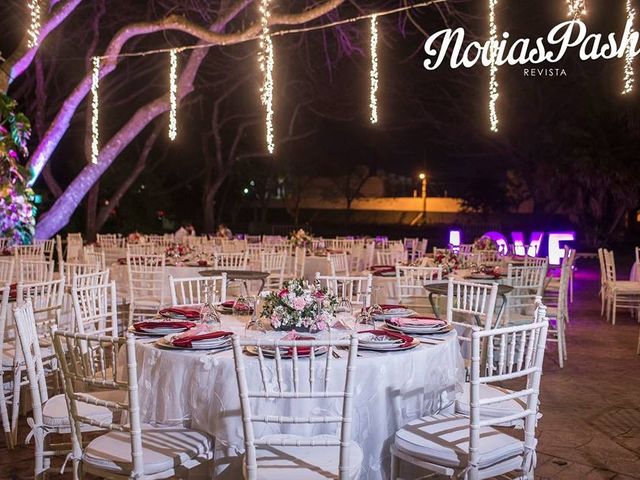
<point>423,179</point>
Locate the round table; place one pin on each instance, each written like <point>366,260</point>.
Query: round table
<point>241,275</point>
<point>200,390</point>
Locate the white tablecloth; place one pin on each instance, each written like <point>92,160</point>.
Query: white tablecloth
<point>392,389</point>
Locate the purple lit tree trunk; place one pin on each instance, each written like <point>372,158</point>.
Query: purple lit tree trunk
<point>60,213</point>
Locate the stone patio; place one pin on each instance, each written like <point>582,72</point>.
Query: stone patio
<point>591,423</point>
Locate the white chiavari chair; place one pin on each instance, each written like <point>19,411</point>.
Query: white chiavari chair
<point>7,265</point>
<point>48,414</point>
<point>265,402</point>
<point>273,263</point>
<point>71,270</point>
<point>253,239</point>
<point>6,372</point>
<point>410,282</point>
<point>469,446</point>
<point>356,257</point>
<point>146,285</point>
<point>470,304</point>
<point>130,449</point>
<point>110,240</point>
<point>421,249</point>
<point>231,261</point>
<point>141,248</point>
<point>536,261</point>
<point>339,263</point>
<point>356,288</point>
<point>74,247</point>
<point>465,248</point>
<point>29,252</point>
<point>95,306</point>
<point>95,258</point>
<point>295,268</point>
<point>603,281</point>
<point>559,314</point>
<point>318,243</point>
<point>390,257</point>
<point>112,254</point>
<point>528,287</point>
<point>618,293</point>
<point>34,271</point>
<point>48,247</point>
<point>488,257</point>
<point>369,255</point>
<point>253,252</point>
<point>410,246</point>
<point>193,291</point>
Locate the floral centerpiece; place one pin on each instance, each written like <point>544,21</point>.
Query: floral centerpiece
<point>301,239</point>
<point>134,238</point>
<point>485,243</point>
<point>17,213</point>
<point>178,251</point>
<point>298,306</point>
<point>449,261</point>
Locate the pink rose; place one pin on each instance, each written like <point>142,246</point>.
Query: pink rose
<point>299,303</point>
<point>283,292</point>
<point>318,294</point>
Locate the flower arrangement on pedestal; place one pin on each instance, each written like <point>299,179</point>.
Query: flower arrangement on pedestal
<point>134,238</point>
<point>298,306</point>
<point>449,261</point>
<point>178,250</point>
<point>301,239</point>
<point>485,244</point>
<point>17,213</point>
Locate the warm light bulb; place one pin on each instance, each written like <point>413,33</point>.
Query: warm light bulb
<point>493,68</point>
<point>577,8</point>
<point>373,94</point>
<point>266,61</point>
<point>95,110</point>
<point>629,74</point>
<point>173,94</point>
<point>33,33</point>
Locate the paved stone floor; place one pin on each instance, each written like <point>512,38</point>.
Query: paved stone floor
<point>591,423</point>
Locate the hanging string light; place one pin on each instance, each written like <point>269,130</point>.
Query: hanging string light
<point>373,95</point>
<point>33,33</point>
<point>577,8</point>
<point>265,59</point>
<point>629,74</point>
<point>173,94</point>
<point>95,110</point>
<point>493,69</point>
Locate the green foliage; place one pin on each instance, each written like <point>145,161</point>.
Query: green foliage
<point>17,213</point>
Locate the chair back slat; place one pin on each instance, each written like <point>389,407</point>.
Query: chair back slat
<point>192,290</point>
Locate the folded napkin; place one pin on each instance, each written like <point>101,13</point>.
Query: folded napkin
<point>13,291</point>
<point>295,336</point>
<point>142,326</point>
<point>122,261</point>
<point>203,263</point>
<point>386,306</point>
<point>181,311</point>
<point>379,272</point>
<point>200,332</point>
<point>230,303</point>
<point>382,267</point>
<point>416,321</point>
<point>406,339</point>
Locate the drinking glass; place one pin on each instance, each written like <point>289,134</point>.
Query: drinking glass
<point>208,313</point>
<point>242,306</point>
<point>254,326</point>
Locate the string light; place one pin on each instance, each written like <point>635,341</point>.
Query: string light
<point>577,8</point>
<point>373,95</point>
<point>95,79</point>
<point>629,74</point>
<point>33,34</point>
<point>173,94</point>
<point>493,69</point>
<point>265,59</point>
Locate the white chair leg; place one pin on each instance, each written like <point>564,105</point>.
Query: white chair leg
<point>4,415</point>
<point>395,461</point>
<point>15,407</point>
<point>613,309</point>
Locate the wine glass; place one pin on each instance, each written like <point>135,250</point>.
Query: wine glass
<point>343,312</point>
<point>254,326</point>
<point>208,313</point>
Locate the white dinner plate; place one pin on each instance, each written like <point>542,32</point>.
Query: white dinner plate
<point>418,330</point>
<point>156,332</point>
<point>164,343</point>
<point>283,352</point>
<point>400,348</point>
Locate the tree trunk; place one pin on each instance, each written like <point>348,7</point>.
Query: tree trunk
<point>91,213</point>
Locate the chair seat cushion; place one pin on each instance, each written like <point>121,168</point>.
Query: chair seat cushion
<point>304,463</point>
<point>163,448</point>
<point>494,410</point>
<point>55,414</point>
<point>444,440</point>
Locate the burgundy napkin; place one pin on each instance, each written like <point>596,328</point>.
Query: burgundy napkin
<point>185,339</point>
<point>122,261</point>
<point>183,311</point>
<point>203,263</point>
<point>141,326</point>
<point>295,336</point>
<point>229,304</point>
<point>382,267</point>
<point>13,291</point>
<point>406,339</point>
